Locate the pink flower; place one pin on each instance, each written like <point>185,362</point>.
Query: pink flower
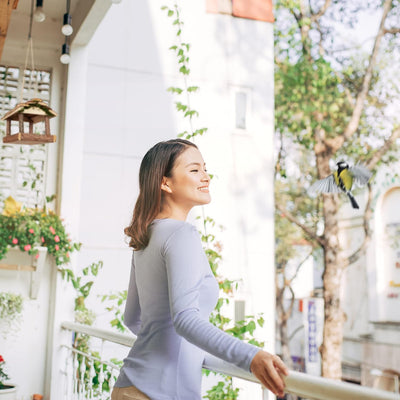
<point>15,241</point>
<point>67,255</point>
<point>37,256</point>
<point>42,239</point>
<point>31,231</point>
<point>27,247</point>
<point>52,230</point>
<point>56,238</point>
<point>57,247</point>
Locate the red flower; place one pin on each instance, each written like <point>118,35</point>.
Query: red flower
<point>1,359</point>
<point>57,247</point>
<point>56,238</point>
<point>52,230</point>
<point>27,247</point>
<point>15,241</point>
<point>31,231</point>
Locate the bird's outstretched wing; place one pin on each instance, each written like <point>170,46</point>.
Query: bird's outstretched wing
<point>325,185</point>
<point>361,175</point>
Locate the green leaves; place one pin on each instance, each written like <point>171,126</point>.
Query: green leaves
<point>224,390</point>
<point>116,303</point>
<point>181,50</point>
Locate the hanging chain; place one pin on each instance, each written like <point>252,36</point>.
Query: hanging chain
<point>29,50</point>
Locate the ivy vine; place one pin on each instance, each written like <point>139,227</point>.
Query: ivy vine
<point>243,330</point>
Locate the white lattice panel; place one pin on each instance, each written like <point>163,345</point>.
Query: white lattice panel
<point>22,167</point>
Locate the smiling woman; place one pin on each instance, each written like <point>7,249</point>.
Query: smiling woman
<point>188,186</point>
<point>172,289</point>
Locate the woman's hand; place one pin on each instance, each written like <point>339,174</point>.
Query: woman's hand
<point>269,369</point>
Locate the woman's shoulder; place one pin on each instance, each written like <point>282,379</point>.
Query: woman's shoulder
<point>170,226</point>
<point>166,231</point>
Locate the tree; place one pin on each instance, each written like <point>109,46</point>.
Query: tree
<point>332,102</point>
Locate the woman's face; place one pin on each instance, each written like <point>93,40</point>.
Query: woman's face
<point>189,184</point>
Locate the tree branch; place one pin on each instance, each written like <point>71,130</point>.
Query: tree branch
<point>367,232</point>
<point>307,230</point>
<point>321,12</point>
<point>362,95</point>
<point>289,311</point>
<point>392,31</point>
<point>299,328</point>
<point>386,146</point>
<point>299,266</point>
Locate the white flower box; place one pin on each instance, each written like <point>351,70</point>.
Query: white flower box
<point>18,260</point>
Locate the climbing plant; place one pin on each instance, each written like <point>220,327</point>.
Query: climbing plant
<point>244,330</point>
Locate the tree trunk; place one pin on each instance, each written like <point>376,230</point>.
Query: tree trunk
<point>283,333</point>
<point>331,349</point>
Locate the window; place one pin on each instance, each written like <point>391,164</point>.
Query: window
<point>240,110</point>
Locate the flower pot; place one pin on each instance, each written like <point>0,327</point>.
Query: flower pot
<point>9,392</point>
<point>18,260</point>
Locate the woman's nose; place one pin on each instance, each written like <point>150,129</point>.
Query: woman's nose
<point>205,176</point>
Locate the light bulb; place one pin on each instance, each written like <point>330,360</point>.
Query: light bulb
<point>67,28</point>
<point>39,15</point>
<point>65,57</point>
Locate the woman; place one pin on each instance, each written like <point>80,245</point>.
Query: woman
<point>172,289</point>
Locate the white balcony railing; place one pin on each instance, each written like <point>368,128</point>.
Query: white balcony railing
<point>79,385</point>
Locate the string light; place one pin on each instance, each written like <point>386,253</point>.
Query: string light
<point>65,56</point>
<point>39,15</point>
<point>67,28</point>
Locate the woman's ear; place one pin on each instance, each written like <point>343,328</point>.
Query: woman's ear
<point>164,185</point>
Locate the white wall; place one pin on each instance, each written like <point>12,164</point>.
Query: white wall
<point>127,110</point>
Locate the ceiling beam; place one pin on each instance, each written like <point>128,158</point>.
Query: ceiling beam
<point>6,7</point>
<point>86,18</point>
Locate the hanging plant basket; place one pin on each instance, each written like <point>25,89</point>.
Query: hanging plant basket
<point>17,260</point>
<point>31,112</point>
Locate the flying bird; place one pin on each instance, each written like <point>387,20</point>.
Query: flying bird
<point>343,180</point>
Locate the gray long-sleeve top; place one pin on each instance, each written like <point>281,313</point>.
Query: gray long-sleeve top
<point>171,294</point>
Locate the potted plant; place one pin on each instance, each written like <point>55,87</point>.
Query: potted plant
<point>30,229</point>
<point>7,391</point>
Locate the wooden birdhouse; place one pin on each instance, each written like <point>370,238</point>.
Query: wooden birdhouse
<point>31,112</point>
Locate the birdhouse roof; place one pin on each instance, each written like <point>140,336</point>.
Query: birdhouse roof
<point>34,107</point>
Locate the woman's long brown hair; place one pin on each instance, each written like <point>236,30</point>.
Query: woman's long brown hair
<point>157,163</point>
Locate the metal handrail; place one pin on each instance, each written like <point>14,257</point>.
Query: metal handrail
<point>300,384</point>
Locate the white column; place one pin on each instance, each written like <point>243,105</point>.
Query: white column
<point>70,167</point>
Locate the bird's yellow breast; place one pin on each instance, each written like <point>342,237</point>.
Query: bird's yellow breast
<point>346,178</point>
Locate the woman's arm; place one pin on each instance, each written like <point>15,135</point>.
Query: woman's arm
<point>185,263</point>
<point>132,309</point>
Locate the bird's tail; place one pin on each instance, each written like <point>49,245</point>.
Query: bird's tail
<point>353,200</point>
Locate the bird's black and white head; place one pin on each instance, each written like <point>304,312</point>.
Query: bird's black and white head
<point>341,165</point>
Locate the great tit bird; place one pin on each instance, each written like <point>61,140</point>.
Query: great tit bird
<point>342,180</point>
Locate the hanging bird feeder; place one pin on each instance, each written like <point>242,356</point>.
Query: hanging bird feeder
<point>32,112</point>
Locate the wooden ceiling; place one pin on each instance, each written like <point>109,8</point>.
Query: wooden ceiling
<point>6,8</point>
